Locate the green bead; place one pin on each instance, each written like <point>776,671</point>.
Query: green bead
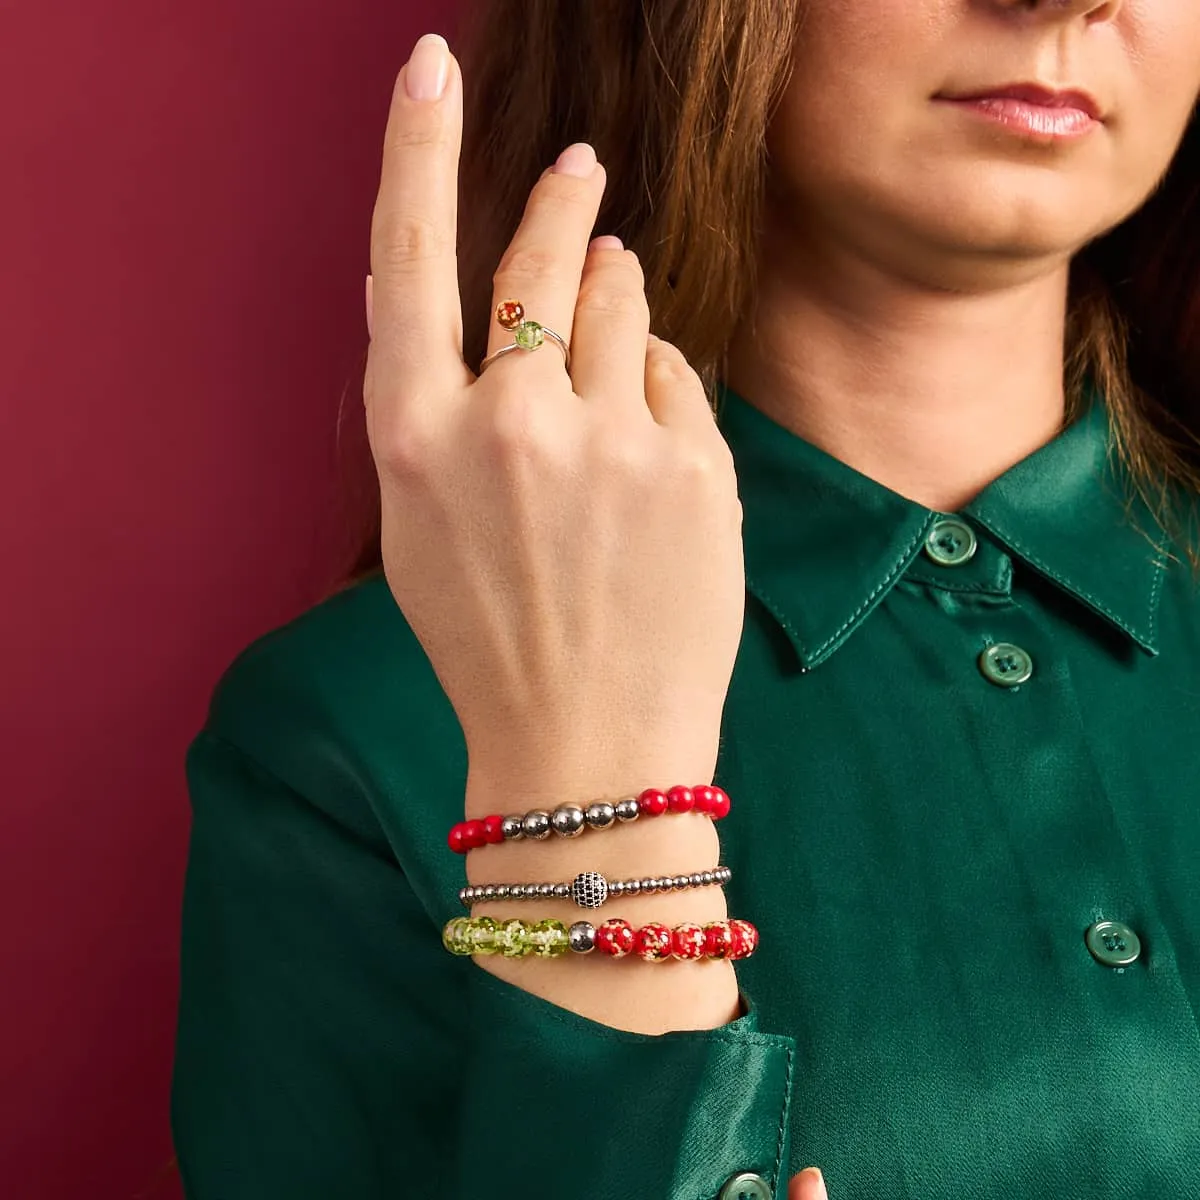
<point>453,935</point>
<point>529,335</point>
<point>513,939</point>
<point>549,938</point>
<point>482,935</point>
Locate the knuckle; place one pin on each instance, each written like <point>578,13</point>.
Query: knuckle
<point>613,298</point>
<point>406,450</point>
<point>515,427</point>
<point>403,238</point>
<point>526,261</point>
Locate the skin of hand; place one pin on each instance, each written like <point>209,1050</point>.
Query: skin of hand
<point>807,1185</point>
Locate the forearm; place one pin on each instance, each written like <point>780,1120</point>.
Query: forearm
<point>627,993</point>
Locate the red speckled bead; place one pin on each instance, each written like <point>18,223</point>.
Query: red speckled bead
<point>687,941</point>
<point>473,834</point>
<point>652,942</point>
<point>718,939</point>
<point>745,938</point>
<point>493,832</point>
<point>720,804</point>
<point>510,313</point>
<point>457,840</point>
<point>680,799</point>
<point>652,802</point>
<point>615,938</point>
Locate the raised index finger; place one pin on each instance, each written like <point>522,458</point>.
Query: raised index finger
<point>414,228</point>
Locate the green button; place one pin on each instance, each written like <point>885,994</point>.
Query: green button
<point>1113,944</point>
<point>1006,664</point>
<point>951,542</point>
<point>746,1186</point>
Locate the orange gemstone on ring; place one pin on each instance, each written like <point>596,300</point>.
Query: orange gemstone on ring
<point>510,313</point>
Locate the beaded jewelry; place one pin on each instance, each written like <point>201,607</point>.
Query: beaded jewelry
<point>590,889</point>
<point>654,942</point>
<point>570,820</point>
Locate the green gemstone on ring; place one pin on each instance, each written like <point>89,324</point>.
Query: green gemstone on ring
<point>529,335</point>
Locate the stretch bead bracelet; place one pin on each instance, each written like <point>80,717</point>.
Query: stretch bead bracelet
<point>570,820</point>
<point>616,938</point>
<point>590,889</point>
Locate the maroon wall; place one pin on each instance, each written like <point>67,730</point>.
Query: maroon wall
<point>185,198</point>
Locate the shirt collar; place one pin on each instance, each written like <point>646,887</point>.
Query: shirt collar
<point>824,543</point>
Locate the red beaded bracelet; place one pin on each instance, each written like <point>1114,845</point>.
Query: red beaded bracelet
<point>570,820</point>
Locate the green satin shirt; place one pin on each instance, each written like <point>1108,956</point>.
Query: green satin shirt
<point>955,744</point>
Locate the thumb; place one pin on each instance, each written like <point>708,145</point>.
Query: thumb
<point>808,1185</point>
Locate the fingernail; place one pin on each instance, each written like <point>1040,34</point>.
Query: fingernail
<point>607,241</point>
<point>578,159</point>
<point>370,306</point>
<point>428,69</point>
<point>822,1194</point>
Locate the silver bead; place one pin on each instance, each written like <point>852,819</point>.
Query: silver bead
<point>694,879</point>
<point>616,887</point>
<point>502,891</point>
<point>567,820</point>
<point>707,877</point>
<point>513,827</point>
<point>562,889</point>
<point>516,891</point>
<point>462,894</point>
<point>627,809</point>
<point>652,884</point>
<point>489,892</point>
<point>545,889</point>
<point>633,887</point>
<point>581,937</point>
<point>600,815</point>
<point>536,824</point>
<point>589,889</point>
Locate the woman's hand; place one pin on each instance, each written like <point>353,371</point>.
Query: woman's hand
<point>808,1185</point>
<point>566,547</point>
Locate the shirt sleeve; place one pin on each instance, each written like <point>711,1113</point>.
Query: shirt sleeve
<point>329,1046</point>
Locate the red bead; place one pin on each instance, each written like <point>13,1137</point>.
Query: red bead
<point>718,939</point>
<point>652,802</point>
<point>456,839</point>
<point>473,834</point>
<point>493,832</point>
<point>652,942</point>
<point>704,796</point>
<point>615,938</point>
<point>687,941</point>
<point>510,313</point>
<point>745,938</point>
<point>720,806</point>
<point>680,799</point>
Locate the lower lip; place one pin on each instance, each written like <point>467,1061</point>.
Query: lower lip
<point>1037,121</point>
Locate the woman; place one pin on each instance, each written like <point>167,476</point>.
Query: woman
<point>921,602</point>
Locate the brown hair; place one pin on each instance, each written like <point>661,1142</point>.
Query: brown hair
<point>676,97</point>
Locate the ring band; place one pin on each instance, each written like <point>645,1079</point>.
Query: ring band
<point>527,335</point>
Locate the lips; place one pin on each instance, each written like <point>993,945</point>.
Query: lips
<point>1035,94</point>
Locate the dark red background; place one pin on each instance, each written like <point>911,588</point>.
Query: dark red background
<point>185,198</point>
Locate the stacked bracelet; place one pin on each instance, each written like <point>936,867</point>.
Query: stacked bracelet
<point>732,939</point>
<point>590,889</point>
<point>570,820</point>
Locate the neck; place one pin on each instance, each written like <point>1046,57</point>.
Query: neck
<point>929,392</point>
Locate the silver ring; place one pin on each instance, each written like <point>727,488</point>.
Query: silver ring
<point>527,335</point>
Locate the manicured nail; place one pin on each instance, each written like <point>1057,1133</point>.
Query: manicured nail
<point>428,69</point>
<point>577,159</point>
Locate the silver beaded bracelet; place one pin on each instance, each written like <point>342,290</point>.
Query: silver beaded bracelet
<point>590,889</point>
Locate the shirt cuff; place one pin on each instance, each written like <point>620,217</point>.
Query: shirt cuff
<point>556,1104</point>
